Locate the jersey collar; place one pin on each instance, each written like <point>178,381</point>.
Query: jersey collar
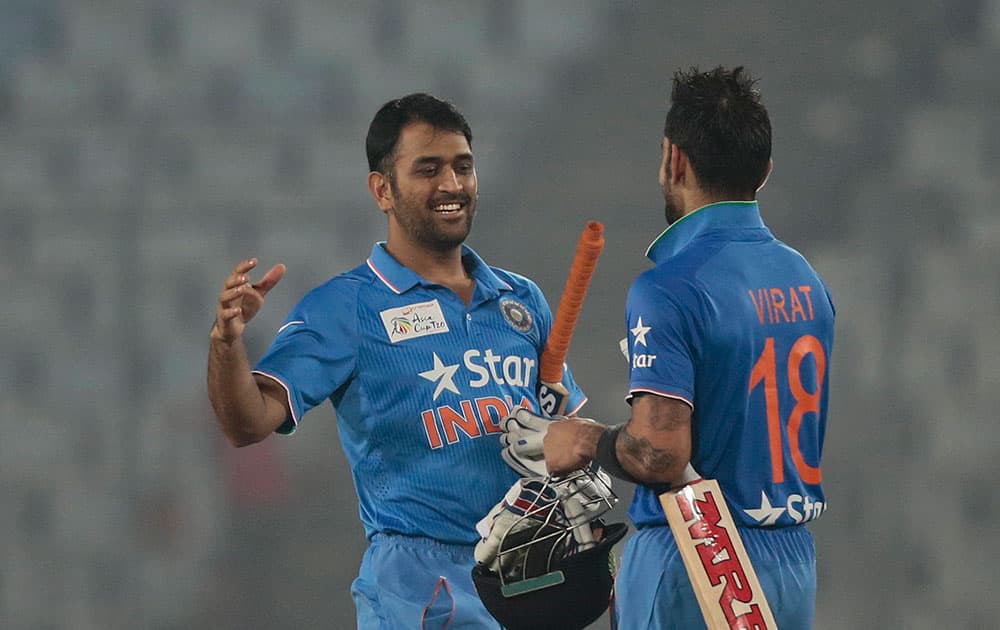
<point>714,216</point>
<point>399,278</point>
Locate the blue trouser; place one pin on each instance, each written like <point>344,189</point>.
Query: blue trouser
<point>653,591</point>
<point>418,583</point>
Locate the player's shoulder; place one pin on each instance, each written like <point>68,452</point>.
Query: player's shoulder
<point>789,250</point>
<point>519,283</point>
<point>680,273</point>
<point>666,288</point>
<point>337,292</point>
<point>805,264</point>
<point>796,257</point>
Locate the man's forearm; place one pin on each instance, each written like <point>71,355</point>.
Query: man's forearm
<point>645,462</point>
<point>576,442</point>
<point>240,407</point>
<point>632,459</point>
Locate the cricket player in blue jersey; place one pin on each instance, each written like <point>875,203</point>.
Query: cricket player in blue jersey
<point>729,340</point>
<point>422,349</point>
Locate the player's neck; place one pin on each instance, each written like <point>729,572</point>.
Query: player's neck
<point>694,199</point>
<point>698,199</point>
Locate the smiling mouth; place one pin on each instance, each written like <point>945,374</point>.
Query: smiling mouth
<point>448,208</point>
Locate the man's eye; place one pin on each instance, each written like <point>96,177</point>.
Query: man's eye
<point>428,171</point>
<point>464,169</point>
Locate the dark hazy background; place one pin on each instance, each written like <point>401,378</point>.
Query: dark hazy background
<point>146,146</point>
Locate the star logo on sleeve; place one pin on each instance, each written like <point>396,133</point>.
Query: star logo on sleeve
<point>639,332</point>
<point>443,375</point>
<point>766,514</point>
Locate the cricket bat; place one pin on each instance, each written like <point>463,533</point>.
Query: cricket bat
<point>552,394</point>
<point>724,581</point>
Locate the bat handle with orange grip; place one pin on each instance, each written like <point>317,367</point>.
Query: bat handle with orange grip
<point>552,394</point>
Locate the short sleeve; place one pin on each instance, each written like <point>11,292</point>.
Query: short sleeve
<point>314,352</point>
<point>662,343</point>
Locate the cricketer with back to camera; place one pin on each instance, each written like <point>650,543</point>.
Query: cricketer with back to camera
<point>729,341</point>
<point>422,349</point>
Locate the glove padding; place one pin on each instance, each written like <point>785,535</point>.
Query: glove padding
<point>593,491</point>
<point>576,501</point>
<point>527,504</point>
<point>522,441</point>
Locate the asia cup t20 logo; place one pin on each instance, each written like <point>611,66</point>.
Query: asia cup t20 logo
<point>400,327</point>
<point>414,320</point>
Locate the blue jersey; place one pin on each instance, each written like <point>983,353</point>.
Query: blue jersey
<point>420,382</point>
<point>739,326</point>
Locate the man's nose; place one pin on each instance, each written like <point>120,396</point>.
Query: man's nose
<point>449,181</point>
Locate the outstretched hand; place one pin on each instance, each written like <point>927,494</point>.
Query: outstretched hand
<point>240,299</point>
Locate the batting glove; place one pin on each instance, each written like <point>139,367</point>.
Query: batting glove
<point>522,441</point>
<point>526,505</point>
<point>593,490</point>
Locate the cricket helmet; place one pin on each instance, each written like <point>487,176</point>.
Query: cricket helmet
<point>554,564</point>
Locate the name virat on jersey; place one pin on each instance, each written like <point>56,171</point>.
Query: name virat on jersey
<point>778,305</point>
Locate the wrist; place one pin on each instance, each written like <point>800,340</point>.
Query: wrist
<point>607,454</point>
<point>587,437</point>
<point>216,335</point>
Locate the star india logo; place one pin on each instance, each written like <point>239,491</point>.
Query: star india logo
<point>645,359</point>
<point>799,508</point>
<point>487,368</point>
<point>443,376</point>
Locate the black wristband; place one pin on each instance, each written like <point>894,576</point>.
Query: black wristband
<point>607,457</point>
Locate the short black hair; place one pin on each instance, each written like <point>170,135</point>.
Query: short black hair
<point>717,119</point>
<point>386,127</point>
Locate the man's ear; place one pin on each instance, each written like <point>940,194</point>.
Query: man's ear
<point>679,164</point>
<point>767,175</point>
<point>381,190</point>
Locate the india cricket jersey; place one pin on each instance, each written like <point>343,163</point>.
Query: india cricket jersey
<point>420,382</point>
<point>739,326</point>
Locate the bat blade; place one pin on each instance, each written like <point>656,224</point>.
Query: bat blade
<point>552,394</point>
<point>725,583</point>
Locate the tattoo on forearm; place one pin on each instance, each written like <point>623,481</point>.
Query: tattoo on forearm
<point>644,454</point>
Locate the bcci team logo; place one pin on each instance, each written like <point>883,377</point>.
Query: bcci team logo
<point>516,314</point>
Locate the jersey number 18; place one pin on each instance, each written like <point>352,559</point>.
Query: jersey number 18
<point>765,371</point>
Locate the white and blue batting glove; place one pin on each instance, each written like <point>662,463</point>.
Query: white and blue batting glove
<point>526,504</point>
<point>593,489</point>
<point>522,441</point>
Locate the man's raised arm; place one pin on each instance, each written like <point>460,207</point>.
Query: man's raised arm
<point>247,407</point>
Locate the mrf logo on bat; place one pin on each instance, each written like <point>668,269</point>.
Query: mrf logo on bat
<point>727,586</point>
